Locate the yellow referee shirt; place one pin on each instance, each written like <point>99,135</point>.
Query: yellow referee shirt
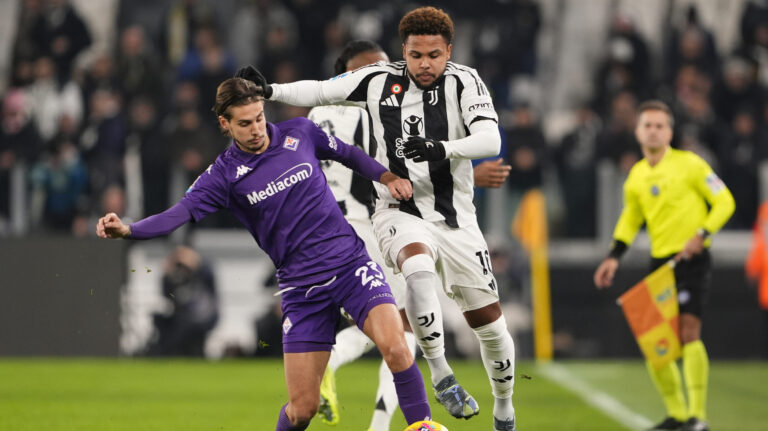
<point>671,198</point>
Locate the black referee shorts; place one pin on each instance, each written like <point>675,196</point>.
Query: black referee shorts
<point>693,278</point>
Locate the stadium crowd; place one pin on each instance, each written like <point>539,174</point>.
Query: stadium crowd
<point>130,128</point>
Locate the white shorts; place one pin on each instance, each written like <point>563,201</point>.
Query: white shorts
<point>462,258</point>
<point>396,282</point>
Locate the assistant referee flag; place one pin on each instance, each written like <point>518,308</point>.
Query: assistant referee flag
<point>652,312</point>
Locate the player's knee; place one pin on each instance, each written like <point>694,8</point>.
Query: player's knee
<point>416,264</point>
<point>494,334</point>
<point>397,356</point>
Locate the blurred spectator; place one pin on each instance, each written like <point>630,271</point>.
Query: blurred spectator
<point>576,161</point>
<point>756,50</point>
<point>260,26</point>
<point>755,15</point>
<point>189,288</point>
<point>691,45</point>
<point>61,34</point>
<point>19,142</point>
<point>626,68</point>
<point>154,158</point>
<point>103,140</point>
<point>526,152</point>
<point>698,129</point>
<point>207,64</point>
<point>25,48</point>
<point>313,17</point>
<point>60,183</point>
<point>617,141</point>
<point>49,100</point>
<point>100,75</point>
<point>138,70</point>
<point>192,145</point>
<point>737,89</point>
<point>737,155</point>
<point>180,24</point>
<point>505,44</point>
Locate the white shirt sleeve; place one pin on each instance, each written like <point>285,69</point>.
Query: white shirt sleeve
<point>483,141</point>
<point>476,102</point>
<point>347,88</point>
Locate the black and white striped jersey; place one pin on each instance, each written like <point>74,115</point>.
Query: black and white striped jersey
<point>457,103</point>
<point>350,124</point>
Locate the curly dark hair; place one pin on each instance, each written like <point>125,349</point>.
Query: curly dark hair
<point>352,49</point>
<point>426,21</point>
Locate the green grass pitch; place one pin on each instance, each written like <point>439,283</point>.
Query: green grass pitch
<point>162,395</point>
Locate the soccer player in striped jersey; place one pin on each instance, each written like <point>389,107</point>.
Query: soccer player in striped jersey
<point>271,181</point>
<point>430,117</point>
<point>670,191</point>
<point>354,195</point>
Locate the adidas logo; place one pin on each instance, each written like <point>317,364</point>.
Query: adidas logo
<point>390,101</point>
<point>242,170</point>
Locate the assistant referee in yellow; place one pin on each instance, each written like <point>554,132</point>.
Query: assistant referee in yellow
<point>669,190</point>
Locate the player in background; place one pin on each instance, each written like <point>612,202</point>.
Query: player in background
<point>270,179</point>
<point>669,190</point>
<point>430,117</point>
<point>354,195</point>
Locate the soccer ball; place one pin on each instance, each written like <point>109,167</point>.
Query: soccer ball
<point>426,426</point>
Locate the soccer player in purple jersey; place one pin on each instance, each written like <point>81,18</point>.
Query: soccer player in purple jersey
<point>272,182</point>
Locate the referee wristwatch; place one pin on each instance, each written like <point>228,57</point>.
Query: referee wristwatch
<point>703,233</point>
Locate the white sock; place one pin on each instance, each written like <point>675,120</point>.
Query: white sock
<point>423,309</point>
<point>498,352</point>
<point>386,395</point>
<point>351,343</point>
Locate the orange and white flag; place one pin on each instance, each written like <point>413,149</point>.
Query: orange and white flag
<point>652,312</point>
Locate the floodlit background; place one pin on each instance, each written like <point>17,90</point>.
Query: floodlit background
<point>106,107</point>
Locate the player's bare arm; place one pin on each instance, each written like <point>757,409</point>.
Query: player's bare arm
<point>605,272</point>
<point>399,188</point>
<point>110,226</point>
<point>491,173</point>
<point>693,247</point>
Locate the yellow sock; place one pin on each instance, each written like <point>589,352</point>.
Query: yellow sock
<point>670,386</point>
<point>696,371</point>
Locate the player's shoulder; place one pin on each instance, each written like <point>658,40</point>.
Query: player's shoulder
<point>461,71</point>
<point>686,157</point>
<point>296,125</point>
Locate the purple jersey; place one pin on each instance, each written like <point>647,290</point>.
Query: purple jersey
<point>282,198</point>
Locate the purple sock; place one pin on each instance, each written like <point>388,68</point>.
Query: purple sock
<point>284,424</point>
<point>411,394</point>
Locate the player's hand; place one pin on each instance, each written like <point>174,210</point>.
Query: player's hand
<point>110,226</point>
<point>605,272</point>
<point>400,188</point>
<point>422,150</point>
<point>491,173</point>
<point>250,73</point>
<point>693,247</point>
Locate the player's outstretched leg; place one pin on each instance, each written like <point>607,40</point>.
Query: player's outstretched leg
<point>670,386</point>
<point>426,318</point>
<point>351,344</point>
<point>498,352</point>
<point>384,327</point>
<point>386,394</point>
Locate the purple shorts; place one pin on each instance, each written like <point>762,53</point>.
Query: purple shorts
<point>311,313</point>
